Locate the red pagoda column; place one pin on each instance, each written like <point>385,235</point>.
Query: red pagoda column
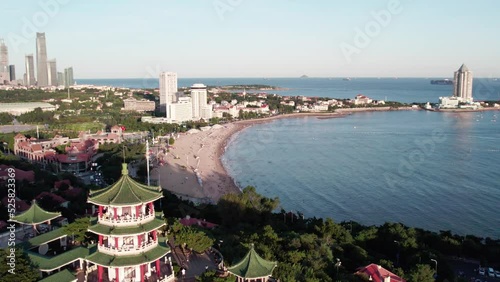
<point>139,240</point>
<point>138,211</point>
<point>116,213</point>
<point>154,235</point>
<point>116,243</point>
<point>100,240</point>
<point>100,212</point>
<point>158,272</point>
<point>117,271</point>
<point>100,271</point>
<point>143,272</point>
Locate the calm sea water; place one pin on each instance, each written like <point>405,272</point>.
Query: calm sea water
<point>438,171</point>
<point>425,169</point>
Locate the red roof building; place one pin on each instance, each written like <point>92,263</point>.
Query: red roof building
<point>20,175</point>
<point>377,273</point>
<point>189,221</point>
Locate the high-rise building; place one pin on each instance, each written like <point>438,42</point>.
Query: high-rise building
<point>462,83</point>
<point>30,71</point>
<point>12,71</point>
<point>199,100</point>
<point>60,78</point>
<point>168,90</point>
<point>4,63</point>
<point>52,72</point>
<point>68,77</point>
<point>41,60</point>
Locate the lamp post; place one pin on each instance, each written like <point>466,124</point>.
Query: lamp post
<point>435,261</point>
<point>397,255</point>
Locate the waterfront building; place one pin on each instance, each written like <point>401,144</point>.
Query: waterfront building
<point>30,71</point>
<point>41,60</point>
<point>462,83</point>
<point>252,268</point>
<point>138,105</point>
<point>201,109</point>
<point>12,71</point>
<point>4,63</point>
<point>181,111</point>
<point>52,72</point>
<point>362,100</point>
<point>168,90</point>
<point>68,77</point>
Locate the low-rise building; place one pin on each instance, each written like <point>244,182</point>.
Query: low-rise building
<point>131,104</point>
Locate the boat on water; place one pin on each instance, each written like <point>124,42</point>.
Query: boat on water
<point>347,79</point>
<point>442,82</point>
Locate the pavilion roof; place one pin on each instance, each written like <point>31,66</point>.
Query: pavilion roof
<point>125,192</point>
<point>35,215</point>
<point>130,260</point>
<point>253,266</point>
<point>103,229</point>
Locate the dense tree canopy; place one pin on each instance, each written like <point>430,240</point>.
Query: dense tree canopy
<point>24,270</point>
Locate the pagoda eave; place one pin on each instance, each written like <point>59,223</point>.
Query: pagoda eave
<point>106,230</point>
<point>107,260</point>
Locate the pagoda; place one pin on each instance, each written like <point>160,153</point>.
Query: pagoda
<point>34,216</point>
<point>128,248</point>
<point>253,268</point>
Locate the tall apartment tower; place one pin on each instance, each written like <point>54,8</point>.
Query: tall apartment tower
<point>198,100</point>
<point>4,63</point>
<point>12,71</point>
<point>52,72</point>
<point>168,89</point>
<point>30,71</point>
<point>462,83</point>
<point>68,77</point>
<point>41,60</point>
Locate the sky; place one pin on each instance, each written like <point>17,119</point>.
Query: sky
<point>257,38</point>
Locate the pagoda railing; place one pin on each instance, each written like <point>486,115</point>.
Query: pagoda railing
<point>171,277</point>
<point>128,249</point>
<point>125,220</point>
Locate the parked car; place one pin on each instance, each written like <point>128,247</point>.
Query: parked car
<point>482,271</point>
<point>491,272</point>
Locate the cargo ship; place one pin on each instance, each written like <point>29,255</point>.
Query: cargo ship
<point>442,82</point>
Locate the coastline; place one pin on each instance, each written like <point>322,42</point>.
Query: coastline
<point>193,168</point>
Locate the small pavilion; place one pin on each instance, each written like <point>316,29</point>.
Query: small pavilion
<point>253,268</point>
<point>34,216</point>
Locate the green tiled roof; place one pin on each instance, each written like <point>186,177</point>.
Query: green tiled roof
<point>51,263</point>
<point>253,266</point>
<point>102,229</point>
<point>61,276</point>
<point>45,238</point>
<point>35,215</point>
<point>125,192</point>
<point>120,261</point>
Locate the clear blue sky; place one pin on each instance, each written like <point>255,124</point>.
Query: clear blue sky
<point>258,38</point>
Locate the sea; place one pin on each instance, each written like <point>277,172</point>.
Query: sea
<point>431,170</point>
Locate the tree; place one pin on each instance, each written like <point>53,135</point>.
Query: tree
<point>421,273</point>
<point>78,229</point>
<point>171,141</point>
<point>24,269</point>
<point>211,276</point>
<point>192,238</point>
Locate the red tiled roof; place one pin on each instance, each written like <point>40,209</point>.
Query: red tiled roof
<point>20,174</point>
<point>73,159</point>
<point>58,184</point>
<point>19,136</point>
<point>378,273</point>
<point>54,197</point>
<point>36,147</point>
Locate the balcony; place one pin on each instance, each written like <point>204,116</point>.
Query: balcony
<point>125,220</point>
<point>128,249</point>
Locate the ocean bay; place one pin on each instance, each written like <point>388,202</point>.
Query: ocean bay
<point>356,168</point>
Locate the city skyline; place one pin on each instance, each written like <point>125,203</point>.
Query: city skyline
<point>261,39</point>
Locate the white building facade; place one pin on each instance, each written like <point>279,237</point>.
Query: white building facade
<point>168,90</point>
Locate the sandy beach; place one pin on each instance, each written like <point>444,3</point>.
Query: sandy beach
<point>193,168</point>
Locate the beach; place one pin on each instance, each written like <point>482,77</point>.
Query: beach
<point>193,168</point>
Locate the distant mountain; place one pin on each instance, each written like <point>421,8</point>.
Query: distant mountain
<point>304,76</point>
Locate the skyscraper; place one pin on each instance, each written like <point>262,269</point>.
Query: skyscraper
<point>12,71</point>
<point>30,71</point>
<point>4,63</point>
<point>168,88</point>
<point>68,77</point>
<point>41,60</point>
<point>60,78</point>
<point>462,83</point>
<point>52,72</point>
<point>198,100</point>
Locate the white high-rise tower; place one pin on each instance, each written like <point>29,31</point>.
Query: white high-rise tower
<point>30,71</point>
<point>199,102</point>
<point>462,83</point>
<point>4,63</point>
<point>41,60</point>
<point>168,88</point>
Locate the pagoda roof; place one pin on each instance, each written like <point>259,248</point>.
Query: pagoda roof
<point>103,229</point>
<point>64,275</point>
<point>45,263</point>
<point>253,266</point>
<point>122,260</point>
<point>35,215</point>
<point>125,192</point>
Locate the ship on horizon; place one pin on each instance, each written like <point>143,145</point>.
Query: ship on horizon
<point>442,82</point>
